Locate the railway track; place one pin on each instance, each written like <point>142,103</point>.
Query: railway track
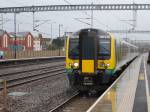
<point>43,68</point>
<point>27,64</point>
<point>26,76</point>
<point>76,103</point>
<point>26,80</point>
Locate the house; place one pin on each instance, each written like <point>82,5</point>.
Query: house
<point>22,41</point>
<point>4,40</point>
<point>37,44</point>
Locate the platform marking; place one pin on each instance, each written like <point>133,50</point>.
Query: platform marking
<point>141,77</point>
<point>147,88</point>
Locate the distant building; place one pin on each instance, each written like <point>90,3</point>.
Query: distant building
<point>45,43</point>
<point>37,44</point>
<point>4,40</point>
<point>24,41</point>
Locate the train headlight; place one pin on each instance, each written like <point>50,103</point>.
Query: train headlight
<point>108,64</point>
<point>76,64</point>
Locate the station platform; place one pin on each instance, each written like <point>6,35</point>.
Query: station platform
<point>130,92</point>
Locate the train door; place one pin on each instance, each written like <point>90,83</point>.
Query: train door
<point>88,51</point>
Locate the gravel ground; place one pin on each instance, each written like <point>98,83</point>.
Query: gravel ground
<point>42,95</point>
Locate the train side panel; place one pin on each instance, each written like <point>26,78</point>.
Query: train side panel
<point>111,63</point>
<point>125,52</point>
<point>69,62</point>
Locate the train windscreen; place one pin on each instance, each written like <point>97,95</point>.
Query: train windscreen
<point>74,48</point>
<point>104,48</point>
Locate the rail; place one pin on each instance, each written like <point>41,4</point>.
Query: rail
<point>26,75</point>
<point>26,60</point>
<point>64,103</point>
<point>3,95</point>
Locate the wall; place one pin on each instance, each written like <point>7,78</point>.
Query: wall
<point>33,54</point>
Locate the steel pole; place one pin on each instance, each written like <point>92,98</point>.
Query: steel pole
<point>15,34</point>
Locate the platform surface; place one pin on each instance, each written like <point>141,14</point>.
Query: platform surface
<point>122,96</point>
<point>140,101</point>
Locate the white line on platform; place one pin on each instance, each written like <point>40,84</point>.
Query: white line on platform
<point>147,88</point>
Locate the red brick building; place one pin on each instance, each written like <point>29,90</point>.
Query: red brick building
<point>24,41</point>
<point>4,40</point>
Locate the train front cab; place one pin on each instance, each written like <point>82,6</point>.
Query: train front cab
<point>86,70</point>
<point>107,63</point>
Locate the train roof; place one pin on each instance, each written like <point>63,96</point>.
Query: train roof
<point>129,44</point>
<point>98,31</point>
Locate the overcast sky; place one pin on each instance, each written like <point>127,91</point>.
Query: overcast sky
<point>106,20</point>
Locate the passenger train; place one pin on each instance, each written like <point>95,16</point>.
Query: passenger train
<point>93,56</point>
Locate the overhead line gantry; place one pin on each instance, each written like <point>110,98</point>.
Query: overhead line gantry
<point>130,31</point>
<point>81,7</point>
<point>75,7</point>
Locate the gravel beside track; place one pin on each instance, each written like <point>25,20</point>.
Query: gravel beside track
<point>39,95</point>
<point>42,95</point>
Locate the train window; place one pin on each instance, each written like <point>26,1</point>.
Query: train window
<point>74,48</point>
<point>104,48</point>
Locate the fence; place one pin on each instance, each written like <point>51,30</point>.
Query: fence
<point>3,95</point>
<point>31,54</point>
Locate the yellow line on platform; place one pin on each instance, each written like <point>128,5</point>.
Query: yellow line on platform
<point>147,88</point>
<point>141,77</point>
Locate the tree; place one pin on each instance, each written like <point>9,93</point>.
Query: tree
<point>58,43</point>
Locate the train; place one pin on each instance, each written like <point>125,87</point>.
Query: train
<point>93,56</point>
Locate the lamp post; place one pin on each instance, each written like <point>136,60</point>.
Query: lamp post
<point>60,25</point>
<point>15,35</point>
<point>65,38</point>
<point>52,28</point>
<point>65,35</point>
<point>19,26</point>
<point>51,34</point>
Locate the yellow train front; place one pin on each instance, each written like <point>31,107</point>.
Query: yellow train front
<point>93,56</point>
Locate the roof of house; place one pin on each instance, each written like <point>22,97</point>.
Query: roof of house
<point>36,38</point>
<point>1,32</point>
<point>18,34</point>
<point>46,39</point>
